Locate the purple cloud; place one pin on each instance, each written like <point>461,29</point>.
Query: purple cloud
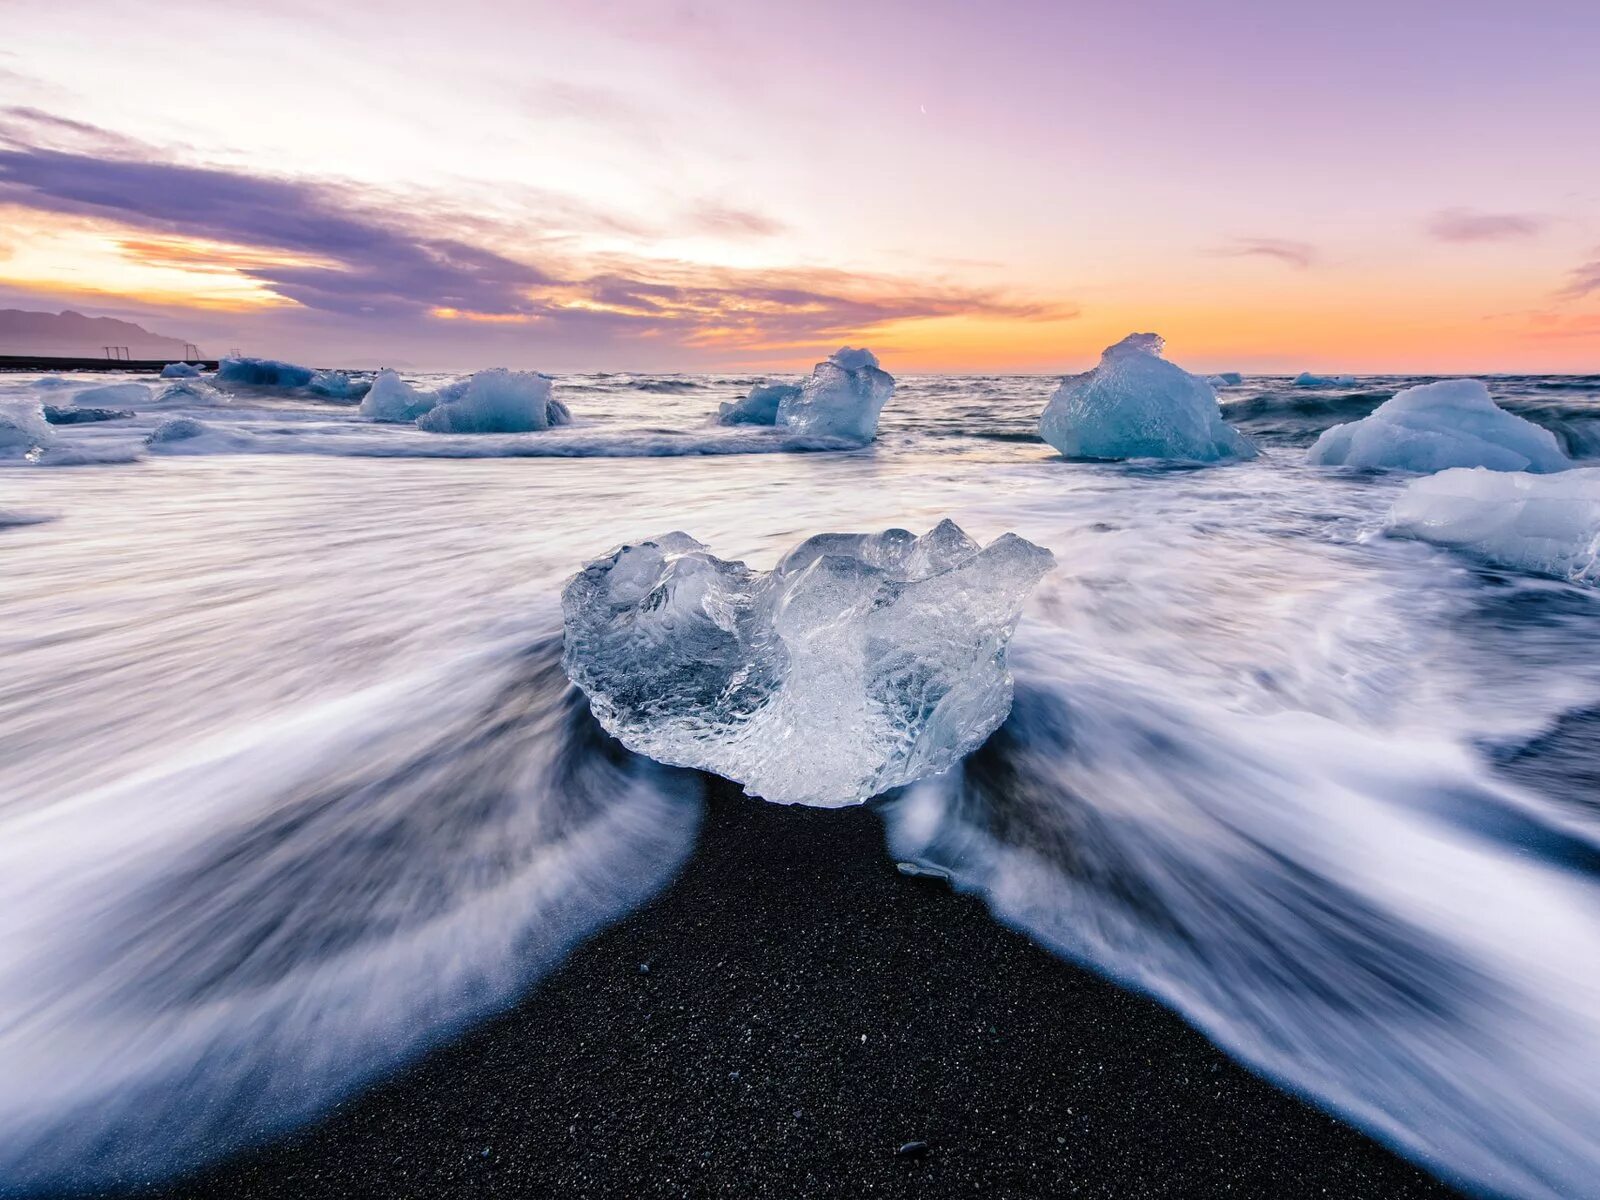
<point>1465,225</point>
<point>328,248</point>
<point>1585,281</point>
<point>1296,254</point>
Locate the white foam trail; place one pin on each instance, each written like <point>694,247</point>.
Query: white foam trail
<point>201,955</point>
<point>1367,920</point>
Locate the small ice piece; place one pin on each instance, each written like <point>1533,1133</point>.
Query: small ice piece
<point>498,401</point>
<point>190,391</point>
<point>1308,380</point>
<point>114,395</point>
<point>860,663</point>
<point>841,399</point>
<point>1549,525</point>
<point>263,372</point>
<point>393,400</point>
<point>1452,423</point>
<point>1136,404</point>
<point>1227,379</point>
<point>180,370</point>
<point>73,415</point>
<point>336,385</point>
<point>23,430</point>
<point>760,407</point>
<point>176,429</point>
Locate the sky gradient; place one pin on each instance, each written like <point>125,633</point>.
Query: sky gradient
<point>624,185</point>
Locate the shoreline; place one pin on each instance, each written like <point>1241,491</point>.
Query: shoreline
<point>806,1012</point>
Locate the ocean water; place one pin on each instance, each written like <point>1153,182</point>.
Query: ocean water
<point>293,785</point>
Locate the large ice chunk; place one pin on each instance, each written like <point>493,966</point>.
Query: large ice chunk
<point>841,399</point>
<point>760,407</point>
<point>498,401</point>
<point>860,663</point>
<point>1546,524</point>
<point>392,399</point>
<point>1136,404</point>
<point>1452,423</point>
<point>263,372</point>
<point>23,430</point>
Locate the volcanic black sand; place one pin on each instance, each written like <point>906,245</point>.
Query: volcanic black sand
<point>806,1011</point>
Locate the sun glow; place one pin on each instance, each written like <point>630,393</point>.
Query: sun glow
<point>90,259</point>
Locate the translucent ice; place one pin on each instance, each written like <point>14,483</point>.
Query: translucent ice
<point>1549,525</point>
<point>860,663</point>
<point>1227,379</point>
<point>263,372</point>
<point>1307,379</point>
<point>23,430</point>
<point>1136,404</point>
<point>74,415</point>
<point>180,370</point>
<point>841,399</point>
<point>336,385</point>
<point>392,399</point>
<point>190,391</point>
<point>177,429</point>
<point>760,407</point>
<point>498,401</point>
<point>1453,423</point>
<point>114,395</point>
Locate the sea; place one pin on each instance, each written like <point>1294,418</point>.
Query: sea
<point>293,785</point>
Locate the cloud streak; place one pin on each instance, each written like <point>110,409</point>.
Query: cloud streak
<point>1585,281</point>
<point>327,247</point>
<point>1464,225</point>
<point>1299,255</point>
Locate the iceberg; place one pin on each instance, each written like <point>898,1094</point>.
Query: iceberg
<point>1307,379</point>
<point>841,399</point>
<point>263,372</point>
<point>1548,525</point>
<point>1226,379</point>
<point>1452,423</point>
<point>23,430</point>
<point>497,401</point>
<point>392,400</point>
<point>180,370</point>
<point>760,407</point>
<point>860,663</point>
<point>1136,404</point>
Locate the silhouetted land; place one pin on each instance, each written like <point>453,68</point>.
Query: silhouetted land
<point>22,362</point>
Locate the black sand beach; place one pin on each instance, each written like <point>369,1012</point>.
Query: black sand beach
<point>806,1012</point>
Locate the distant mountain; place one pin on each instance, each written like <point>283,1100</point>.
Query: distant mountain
<point>71,334</point>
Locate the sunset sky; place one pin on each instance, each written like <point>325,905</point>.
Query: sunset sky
<point>630,185</point>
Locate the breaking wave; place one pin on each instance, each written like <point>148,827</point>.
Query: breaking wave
<point>209,952</point>
<point>1374,922</point>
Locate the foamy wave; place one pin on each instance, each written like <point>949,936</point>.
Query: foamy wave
<point>1370,921</point>
<point>208,952</point>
